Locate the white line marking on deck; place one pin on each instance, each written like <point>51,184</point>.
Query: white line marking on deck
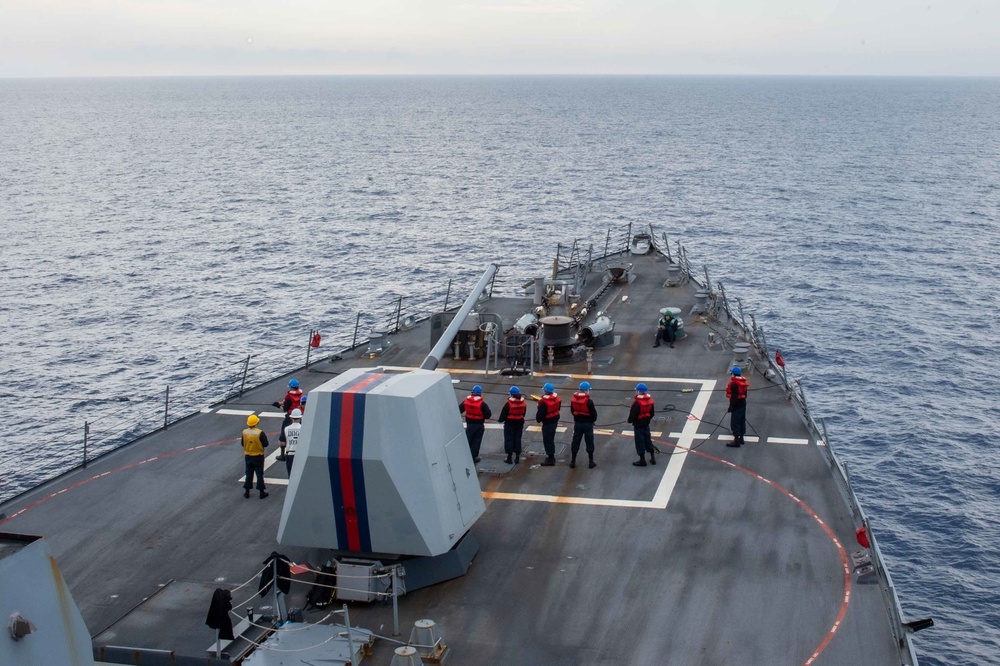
<point>272,415</point>
<point>235,412</point>
<point>729,438</point>
<point>677,435</point>
<point>652,433</point>
<point>268,461</point>
<point>685,441</point>
<point>787,440</point>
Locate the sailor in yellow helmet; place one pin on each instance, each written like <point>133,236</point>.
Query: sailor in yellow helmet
<point>254,443</point>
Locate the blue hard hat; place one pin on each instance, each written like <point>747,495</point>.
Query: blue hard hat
<point>736,370</point>
<point>641,387</point>
<point>293,384</point>
<point>549,388</point>
<point>515,391</point>
<point>304,398</point>
<point>477,389</point>
<point>585,386</point>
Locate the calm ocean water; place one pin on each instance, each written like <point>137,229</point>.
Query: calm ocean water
<point>157,230</point>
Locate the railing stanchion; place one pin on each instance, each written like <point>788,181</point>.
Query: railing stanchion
<point>86,433</point>
<point>166,408</point>
<point>357,323</point>
<point>395,601</point>
<point>246,369</point>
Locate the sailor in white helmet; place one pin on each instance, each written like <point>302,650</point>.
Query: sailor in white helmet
<point>292,431</point>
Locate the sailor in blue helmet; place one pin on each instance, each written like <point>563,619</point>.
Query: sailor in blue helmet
<point>512,418</point>
<point>548,416</point>
<point>292,400</point>
<point>639,416</point>
<point>736,391</point>
<point>584,416</point>
<point>476,412</point>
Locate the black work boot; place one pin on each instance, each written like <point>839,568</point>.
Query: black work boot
<point>641,462</point>
<point>591,464</point>
<point>652,458</point>
<point>550,461</point>
<point>572,463</point>
<point>508,461</point>
<point>517,458</point>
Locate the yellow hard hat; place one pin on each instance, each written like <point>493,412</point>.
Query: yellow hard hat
<point>252,420</point>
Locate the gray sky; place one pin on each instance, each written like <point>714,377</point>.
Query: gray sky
<point>184,37</point>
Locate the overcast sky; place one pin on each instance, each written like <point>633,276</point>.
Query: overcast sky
<point>207,37</point>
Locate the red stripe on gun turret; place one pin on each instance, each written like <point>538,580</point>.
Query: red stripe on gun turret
<point>350,446</point>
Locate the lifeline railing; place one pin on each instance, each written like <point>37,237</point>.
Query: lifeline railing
<point>124,419</point>
<point>741,322</point>
<point>738,323</point>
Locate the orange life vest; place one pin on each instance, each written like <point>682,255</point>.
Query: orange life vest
<point>553,404</point>
<point>516,409</point>
<point>295,396</point>
<point>737,388</point>
<point>473,408</point>
<point>578,404</point>
<point>645,405</point>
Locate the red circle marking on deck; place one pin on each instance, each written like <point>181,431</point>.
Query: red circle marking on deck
<point>112,471</point>
<point>846,597</point>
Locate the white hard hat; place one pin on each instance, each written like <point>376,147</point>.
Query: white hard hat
<point>296,413</point>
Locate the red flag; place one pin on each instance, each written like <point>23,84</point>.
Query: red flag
<point>777,358</point>
<point>862,536</point>
<point>315,340</point>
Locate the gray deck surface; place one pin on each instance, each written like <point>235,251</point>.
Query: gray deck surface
<point>732,571</point>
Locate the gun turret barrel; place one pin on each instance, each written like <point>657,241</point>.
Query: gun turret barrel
<point>444,342</point>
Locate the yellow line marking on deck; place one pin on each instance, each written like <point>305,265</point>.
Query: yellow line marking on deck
<point>535,428</point>
<point>627,378</point>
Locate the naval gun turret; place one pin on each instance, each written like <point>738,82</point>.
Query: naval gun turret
<point>383,469</point>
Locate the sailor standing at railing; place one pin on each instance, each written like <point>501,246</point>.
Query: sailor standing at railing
<point>548,416</point>
<point>476,412</point>
<point>291,432</point>
<point>254,442</point>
